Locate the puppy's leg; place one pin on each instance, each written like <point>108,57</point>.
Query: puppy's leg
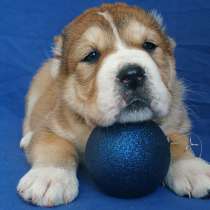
<point>52,179</point>
<point>187,175</point>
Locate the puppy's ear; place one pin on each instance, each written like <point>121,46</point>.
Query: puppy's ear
<point>158,18</point>
<point>58,46</point>
<point>172,42</point>
<point>56,60</point>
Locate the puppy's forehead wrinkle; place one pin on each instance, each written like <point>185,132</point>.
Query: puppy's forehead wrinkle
<point>107,16</point>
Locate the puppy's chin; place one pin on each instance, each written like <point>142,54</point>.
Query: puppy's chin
<point>131,115</point>
<point>134,112</point>
<point>142,114</point>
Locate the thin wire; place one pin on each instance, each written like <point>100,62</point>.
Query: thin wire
<point>191,144</point>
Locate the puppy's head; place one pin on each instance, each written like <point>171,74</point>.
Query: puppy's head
<point>118,65</point>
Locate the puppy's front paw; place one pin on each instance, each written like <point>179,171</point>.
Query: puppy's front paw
<point>189,177</point>
<point>48,186</point>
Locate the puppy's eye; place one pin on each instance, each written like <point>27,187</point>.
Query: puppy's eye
<point>149,46</point>
<point>92,57</point>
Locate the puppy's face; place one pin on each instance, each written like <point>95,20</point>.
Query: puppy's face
<point>119,65</point>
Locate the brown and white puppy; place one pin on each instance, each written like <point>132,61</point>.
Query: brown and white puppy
<point>112,64</point>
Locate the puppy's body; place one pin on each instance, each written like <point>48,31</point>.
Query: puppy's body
<point>103,72</point>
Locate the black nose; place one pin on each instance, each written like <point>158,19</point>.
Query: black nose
<point>131,76</point>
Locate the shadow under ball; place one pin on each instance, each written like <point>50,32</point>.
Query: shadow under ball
<point>128,160</point>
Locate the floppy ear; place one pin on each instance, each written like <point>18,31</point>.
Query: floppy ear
<point>61,48</point>
<point>58,46</point>
<point>57,56</point>
<point>172,42</point>
<point>158,18</point>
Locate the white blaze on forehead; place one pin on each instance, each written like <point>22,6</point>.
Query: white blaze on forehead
<point>109,19</point>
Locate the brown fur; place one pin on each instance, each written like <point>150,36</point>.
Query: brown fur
<point>60,153</point>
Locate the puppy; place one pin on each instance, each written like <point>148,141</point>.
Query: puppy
<point>112,64</point>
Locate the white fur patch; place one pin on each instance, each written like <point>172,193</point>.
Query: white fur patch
<point>57,48</point>
<point>143,114</point>
<point>189,177</point>
<point>55,67</point>
<point>55,61</point>
<point>32,99</point>
<point>49,186</point>
<point>24,142</point>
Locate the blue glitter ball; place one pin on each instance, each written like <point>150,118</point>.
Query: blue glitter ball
<point>128,160</point>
